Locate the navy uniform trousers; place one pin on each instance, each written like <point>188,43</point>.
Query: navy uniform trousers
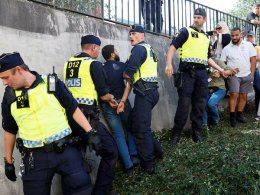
<point>69,164</point>
<point>109,152</point>
<point>194,92</point>
<point>141,116</point>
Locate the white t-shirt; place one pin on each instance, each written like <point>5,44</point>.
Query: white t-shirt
<point>239,57</point>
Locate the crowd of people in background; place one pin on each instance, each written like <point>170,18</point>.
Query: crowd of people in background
<point>90,85</point>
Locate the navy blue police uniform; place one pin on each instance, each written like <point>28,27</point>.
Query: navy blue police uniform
<point>109,152</point>
<point>147,146</point>
<point>41,164</point>
<point>194,91</point>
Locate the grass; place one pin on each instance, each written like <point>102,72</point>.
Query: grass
<point>227,163</point>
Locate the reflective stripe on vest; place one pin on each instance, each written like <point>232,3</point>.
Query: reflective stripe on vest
<point>38,143</point>
<point>195,49</point>
<point>43,121</point>
<point>148,70</point>
<point>79,81</point>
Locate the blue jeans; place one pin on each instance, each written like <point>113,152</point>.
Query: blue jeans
<point>212,106</point>
<point>116,123</point>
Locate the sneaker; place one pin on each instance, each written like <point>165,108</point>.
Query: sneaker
<point>257,118</point>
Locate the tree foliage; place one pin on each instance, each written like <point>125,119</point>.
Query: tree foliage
<point>242,8</point>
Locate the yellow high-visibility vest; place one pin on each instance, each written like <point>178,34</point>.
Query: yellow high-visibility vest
<point>78,80</point>
<point>39,116</point>
<point>148,70</point>
<point>195,49</point>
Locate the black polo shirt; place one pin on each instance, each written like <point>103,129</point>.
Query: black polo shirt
<point>62,94</point>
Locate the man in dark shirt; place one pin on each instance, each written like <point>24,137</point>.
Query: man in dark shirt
<point>193,82</point>
<point>253,17</point>
<point>117,121</point>
<point>84,76</point>
<point>44,132</point>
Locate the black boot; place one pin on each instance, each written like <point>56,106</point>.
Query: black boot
<point>233,119</point>
<point>175,140</point>
<point>240,117</point>
<point>197,136</point>
<point>176,136</point>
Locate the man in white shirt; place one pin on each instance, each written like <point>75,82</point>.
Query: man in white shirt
<point>242,55</point>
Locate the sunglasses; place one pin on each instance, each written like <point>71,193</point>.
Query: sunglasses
<point>218,28</point>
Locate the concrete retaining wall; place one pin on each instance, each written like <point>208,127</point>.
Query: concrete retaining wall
<point>46,37</point>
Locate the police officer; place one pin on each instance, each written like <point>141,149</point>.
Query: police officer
<point>141,71</point>
<point>84,77</point>
<point>44,133</point>
<point>193,45</point>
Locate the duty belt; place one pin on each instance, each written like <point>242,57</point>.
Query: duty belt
<point>187,66</point>
<point>56,146</point>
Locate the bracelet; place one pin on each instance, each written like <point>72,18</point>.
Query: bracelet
<point>122,101</point>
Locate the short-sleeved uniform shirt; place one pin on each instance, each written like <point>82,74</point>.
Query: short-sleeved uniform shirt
<point>62,94</point>
<point>238,56</point>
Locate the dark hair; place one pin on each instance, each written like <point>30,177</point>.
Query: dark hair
<point>236,28</point>
<point>107,51</point>
<point>257,5</point>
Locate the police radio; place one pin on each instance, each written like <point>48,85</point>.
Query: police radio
<point>51,82</point>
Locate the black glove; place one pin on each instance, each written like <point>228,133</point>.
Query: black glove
<point>94,141</point>
<point>10,171</point>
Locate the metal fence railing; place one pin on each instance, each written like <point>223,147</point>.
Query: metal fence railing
<point>157,16</point>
